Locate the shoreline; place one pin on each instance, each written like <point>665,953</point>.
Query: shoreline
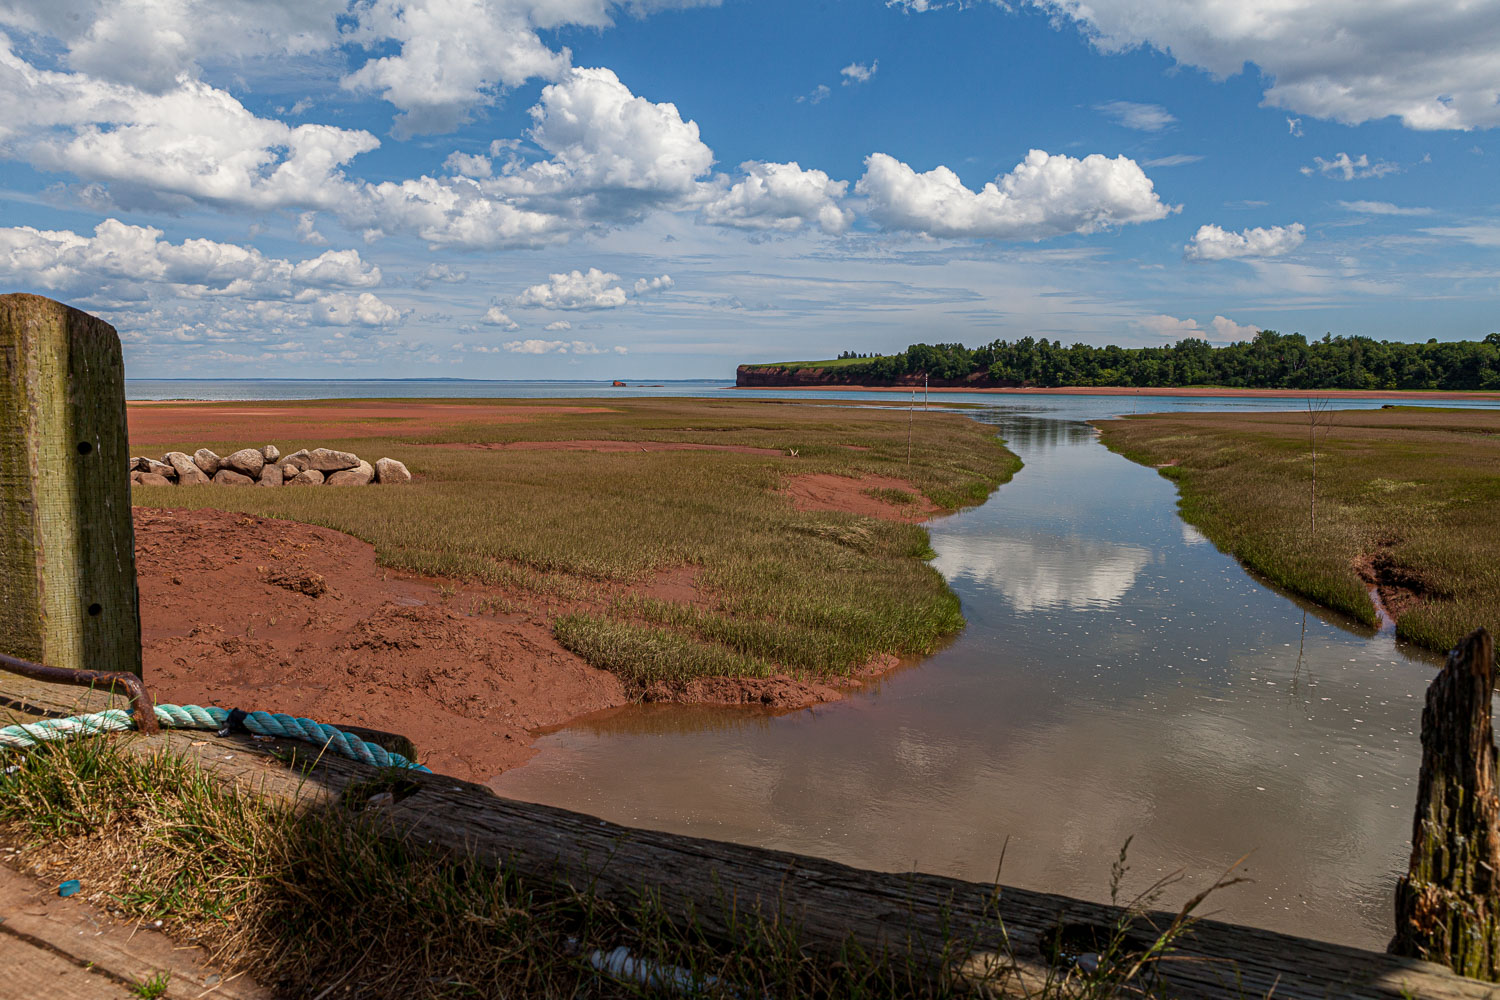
<point>1195,391</point>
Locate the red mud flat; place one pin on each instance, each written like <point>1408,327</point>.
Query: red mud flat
<point>611,446</point>
<point>162,423</point>
<point>247,612</point>
<point>824,491</point>
<point>1197,390</point>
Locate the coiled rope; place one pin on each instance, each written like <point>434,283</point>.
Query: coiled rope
<point>224,721</point>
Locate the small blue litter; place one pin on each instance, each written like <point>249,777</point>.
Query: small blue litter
<point>69,888</point>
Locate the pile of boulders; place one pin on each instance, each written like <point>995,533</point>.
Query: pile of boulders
<point>266,467</point>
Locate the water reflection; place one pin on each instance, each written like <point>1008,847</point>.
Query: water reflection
<point>1118,678</point>
<point>1072,572</point>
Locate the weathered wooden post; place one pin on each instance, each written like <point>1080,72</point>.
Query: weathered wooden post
<point>67,547</point>
<point>1448,904</point>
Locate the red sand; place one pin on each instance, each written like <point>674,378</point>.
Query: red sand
<point>824,491</point>
<point>1413,394</point>
<point>611,446</point>
<point>312,423</point>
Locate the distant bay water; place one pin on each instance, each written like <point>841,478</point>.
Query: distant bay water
<point>438,388</point>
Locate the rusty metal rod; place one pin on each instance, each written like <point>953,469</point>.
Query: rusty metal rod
<point>140,699</point>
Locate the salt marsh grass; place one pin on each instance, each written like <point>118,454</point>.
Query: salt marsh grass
<point>1407,498</point>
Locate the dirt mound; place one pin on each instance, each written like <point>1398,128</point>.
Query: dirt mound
<point>868,495</point>
<point>246,612</point>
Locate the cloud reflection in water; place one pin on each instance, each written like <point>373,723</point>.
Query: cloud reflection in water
<point>1069,571</point>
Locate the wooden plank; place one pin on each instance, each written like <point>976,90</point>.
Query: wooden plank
<point>124,952</point>
<point>715,882</point>
<point>67,545</point>
<point>32,971</point>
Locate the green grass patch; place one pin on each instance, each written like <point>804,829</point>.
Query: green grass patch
<point>888,495</point>
<point>566,531</point>
<point>1413,493</point>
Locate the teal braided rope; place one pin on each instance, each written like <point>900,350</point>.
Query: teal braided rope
<point>116,720</point>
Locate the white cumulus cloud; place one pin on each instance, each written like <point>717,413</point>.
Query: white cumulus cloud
<point>651,286</point>
<point>611,157</point>
<point>1172,328</point>
<point>65,261</point>
<point>857,72</point>
<point>1045,195</point>
<point>1431,65</point>
<point>363,309</point>
<point>495,316</point>
<point>558,326</point>
<point>594,289</point>
<point>781,196</point>
<point>1211,242</point>
<point>150,43</point>
<point>192,142</point>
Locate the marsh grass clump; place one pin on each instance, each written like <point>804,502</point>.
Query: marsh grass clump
<point>565,533</point>
<point>1406,501</point>
<point>327,901</point>
<point>886,494</point>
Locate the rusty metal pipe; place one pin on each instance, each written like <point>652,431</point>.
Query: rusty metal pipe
<point>140,699</point>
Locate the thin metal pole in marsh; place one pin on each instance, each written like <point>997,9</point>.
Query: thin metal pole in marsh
<point>911,416</point>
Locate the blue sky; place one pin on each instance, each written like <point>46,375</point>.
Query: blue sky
<point>664,188</point>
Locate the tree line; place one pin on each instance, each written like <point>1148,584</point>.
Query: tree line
<point>1270,360</point>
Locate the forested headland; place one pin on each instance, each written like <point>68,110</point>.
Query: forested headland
<point>1270,360</point>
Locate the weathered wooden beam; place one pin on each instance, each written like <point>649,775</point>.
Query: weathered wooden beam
<point>834,905</point>
<point>67,546</point>
<point>1448,903</point>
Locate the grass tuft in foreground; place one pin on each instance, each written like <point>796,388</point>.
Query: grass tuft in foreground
<point>566,532</point>
<point>320,903</point>
<point>1407,500</point>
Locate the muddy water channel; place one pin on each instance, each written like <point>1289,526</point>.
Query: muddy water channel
<point>1119,678</point>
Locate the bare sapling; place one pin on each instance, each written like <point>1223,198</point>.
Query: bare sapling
<point>1319,418</point>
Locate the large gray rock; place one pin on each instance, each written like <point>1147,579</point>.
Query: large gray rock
<point>307,477</point>
<point>360,475</point>
<point>270,475</point>
<point>328,460</point>
<point>271,453</point>
<point>298,461</point>
<point>206,460</point>
<point>152,479</point>
<point>138,464</point>
<point>188,473</point>
<point>388,470</point>
<point>228,477</point>
<point>158,468</point>
<point>135,476</point>
<point>247,460</point>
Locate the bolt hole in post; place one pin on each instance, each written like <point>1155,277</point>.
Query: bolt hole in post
<point>95,610</point>
<point>85,447</point>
